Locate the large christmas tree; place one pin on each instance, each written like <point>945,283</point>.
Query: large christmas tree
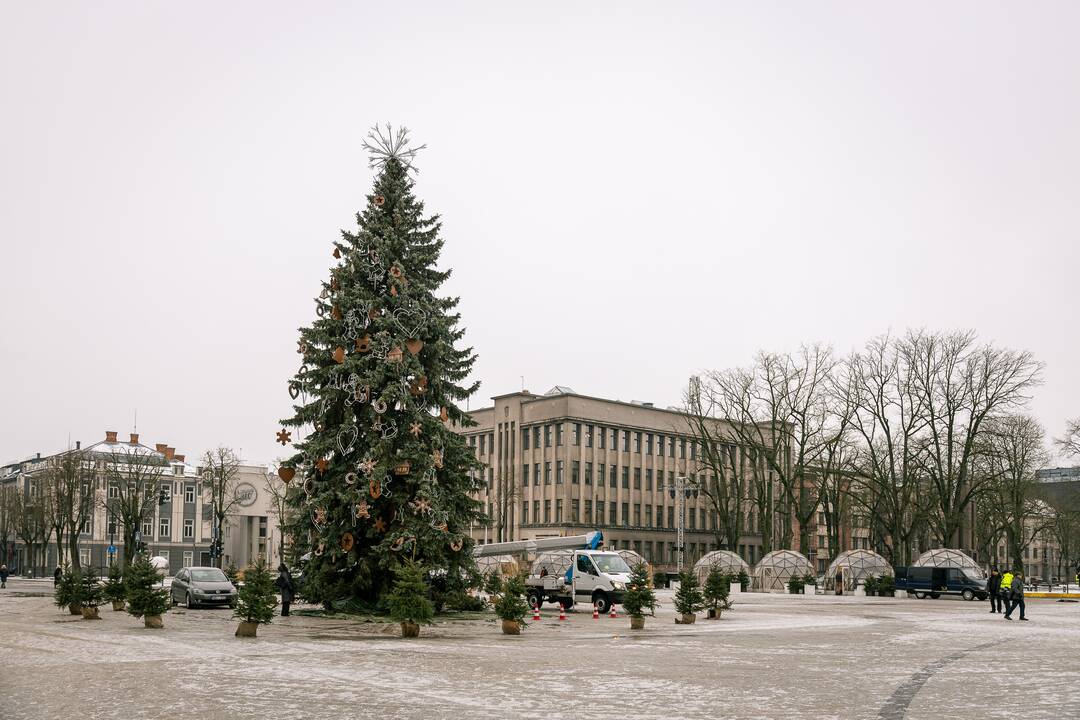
<point>384,477</point>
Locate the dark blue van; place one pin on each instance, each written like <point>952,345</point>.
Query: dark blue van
<point>934,582</point>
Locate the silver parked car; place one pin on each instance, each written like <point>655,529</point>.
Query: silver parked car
<point>196,586</point>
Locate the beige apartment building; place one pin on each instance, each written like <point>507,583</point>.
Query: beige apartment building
<point>563,463</point>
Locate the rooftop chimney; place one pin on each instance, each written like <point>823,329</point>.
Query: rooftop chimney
<point>134,438</point>
<point>78,444</point>
<point>160,447</point>
<point>169,452</point>
<point>179,458</point>
<point>110,436</point>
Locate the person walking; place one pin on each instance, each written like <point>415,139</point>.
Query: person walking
<point>286,588</point>
<point>993,586</point>
<point>56,576</point>
<point>1004,591</point>
<point>3,576</point>
<point>1016,596</point>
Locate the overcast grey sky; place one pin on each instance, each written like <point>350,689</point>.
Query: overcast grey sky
<point>630,192</point>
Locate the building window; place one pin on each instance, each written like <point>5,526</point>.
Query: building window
<point>525,474</point>
<point>588,435</point>
<point>576,435</point>
<point>189,494</point>
<point>648,479</point>
<point>147,529</point>
<point>659,516</point>
<point>648,515</point>
<point>189,558</point>
<point>558,511</point>
<point>626,441</point>
<point>547,436</point>
<point>575,472</point>
<point>536,474</point>
<point>536,437</point>
<point>558,472</point>
<point>637,442</point>
<point>189,528</point>
<point>547,473</point>
<point>536,512</point>
<point>637,515</point>
<point>524,438</point>
<point>163,528</point>
<point>682,448</point>
<point>671,517</point>
<point>166,493</point>
<point>547,510</point>
<point>483,439</point>
<point>601,437</point>
<point>588,473</point>
<point>693,449</point>
<point>114,491</point>
<point>690,515</point>
<point>612,518</point>
<point>637,478</point>
<point>626,478</point>
<point>626,513</point>
<point>660,445</point>
<point>524,513</point>
<point>600,467</point>
<point>575,508</point>
<point>588,511</point>
<point>614,439</point>
<point>558,435</point>
<point>614,479</point>
<point>671,447</point>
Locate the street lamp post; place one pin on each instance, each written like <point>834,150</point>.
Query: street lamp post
<point>680,489</point>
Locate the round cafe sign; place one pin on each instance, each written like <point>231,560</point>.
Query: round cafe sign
<point>246,494</point>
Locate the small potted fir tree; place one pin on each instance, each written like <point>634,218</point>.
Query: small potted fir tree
<point>91,596</point>
<point>114,587</point>
<point>510,605</point>
<point>717,590</point>
<point>639,596</point>
<point>688,598</point>
<point>408,601</point>
<point>795,584</point>
<point>67,591</point>
<point>144,598</point>
<point>255,601</point>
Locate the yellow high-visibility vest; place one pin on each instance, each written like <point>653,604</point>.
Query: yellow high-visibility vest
<point>1006,582</point>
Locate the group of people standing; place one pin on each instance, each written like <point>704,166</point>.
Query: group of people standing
<point>1006,590</point>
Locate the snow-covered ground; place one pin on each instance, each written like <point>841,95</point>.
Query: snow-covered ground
<point>773,656</point>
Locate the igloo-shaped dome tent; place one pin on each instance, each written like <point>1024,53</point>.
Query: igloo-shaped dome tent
<point>775,569</point>
<point>503,565</point>
<point>854,566</point>
<point>631,558</point>
<point>950,558</point>
<point>725,561</point>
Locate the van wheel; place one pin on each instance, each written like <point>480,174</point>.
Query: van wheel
<point>935,596</point>
<point>920,595</point>
<point>603,604</point>
<point>968,595</point>
<point>566,604</point>
<point>534,598</point>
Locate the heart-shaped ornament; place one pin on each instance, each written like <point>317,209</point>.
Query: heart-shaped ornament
<point>294,390</point>
<point>414,346</point>
<point>339,354</point>
<point>346,439</point>
<point>286,473</point>
<point>410,320</point>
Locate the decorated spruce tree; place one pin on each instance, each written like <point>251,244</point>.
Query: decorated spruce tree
<point>384,477</point>
<point>640,596</point>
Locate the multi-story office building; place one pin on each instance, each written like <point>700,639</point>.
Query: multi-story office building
<point>178,527</point>
<point>563,463</point>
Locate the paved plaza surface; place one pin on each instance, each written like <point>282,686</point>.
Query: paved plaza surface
<point>773,656</point>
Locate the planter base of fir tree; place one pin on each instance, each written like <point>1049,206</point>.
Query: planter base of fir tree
<point>410,630</point>
<point>90,613</point>
<point>686,619</point>
<point>247,629</point>
<point>637,623</point>
<point>118,605</point>
<point>75,609</point>
<point>511,627</point>
<point>153,621</point>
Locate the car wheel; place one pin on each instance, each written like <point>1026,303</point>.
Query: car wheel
<point>935,596</point>
<point>603,604</point>
<point>968,595</point>
<point>191,605</point>
<point>567,604</point>
<point>920,595</point>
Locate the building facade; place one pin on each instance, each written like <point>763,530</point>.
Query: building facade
<point>563,463</point>
<point>178,527</point>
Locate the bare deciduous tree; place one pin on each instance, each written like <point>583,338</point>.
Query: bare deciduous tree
<point>220,468</point>
<point>31,527</point>
<point>9,507</point>
<point>1070,441</point>
<point>69,491</point>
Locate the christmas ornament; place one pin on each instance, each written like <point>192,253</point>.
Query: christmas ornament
<point>321,464</point>
<point>339,354</point>
<point>363,344</point>
<point>380,525</point>
<point>444,414</point>
<point>436,458</point>
<point>414,346</point>
<point>421,506</point>
<point>361,510</point>
<point>335,313</point>
<point>284,436</point>
<point>286,473</point>
<point>301,347</point>
<point>346,439</point>
<point>346,543</point>
<point>410,320</point>
<point>393,291</point>
<point>375,489</point>
<point>395,271</point>
<point>337,253</point>
<point>379,200</point>
<point>351,478</point>
<point>379,406</point>
<point>419,386</point>
<point>309,486</point>
<point>318,518</point>
<point>456,545</point>
<point>294,390</point>
<point>367,466</point>
<point>415,429</point>
<point>402,468</point>
<point>398,544</point>
<point>395,354</point>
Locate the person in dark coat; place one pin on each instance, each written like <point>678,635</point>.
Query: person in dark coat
<point>1017,596</point>
<point>286,588</point>
<point>3,576</point>
<point>56,576</point>
<point>993,586</point>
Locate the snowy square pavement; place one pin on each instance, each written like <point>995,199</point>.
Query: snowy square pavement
<point>773,656</point>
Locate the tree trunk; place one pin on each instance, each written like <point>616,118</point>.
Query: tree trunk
<point>73,551</point>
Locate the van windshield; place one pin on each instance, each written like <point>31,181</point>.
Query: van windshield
<point>610,564</point>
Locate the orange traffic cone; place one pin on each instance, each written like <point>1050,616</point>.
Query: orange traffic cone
<point>595,612</point>
<point>562,611</point>
<point>536,611</point>
<point>613,613</point>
